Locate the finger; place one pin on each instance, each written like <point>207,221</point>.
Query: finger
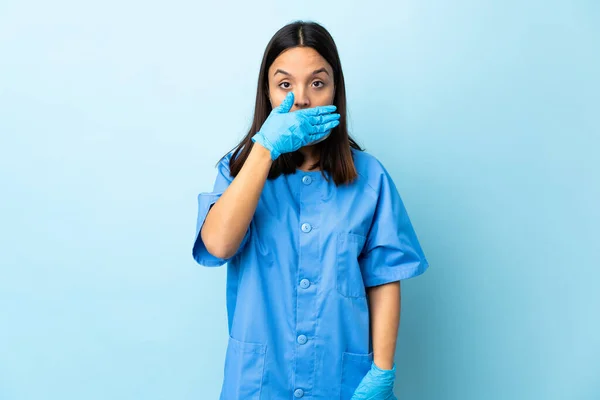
<point>320,110</point>
<point>322,119</point>
<point>286,104</point>
<point>320,128</point>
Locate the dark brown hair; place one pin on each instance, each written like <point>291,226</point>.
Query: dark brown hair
<point>335,155</point>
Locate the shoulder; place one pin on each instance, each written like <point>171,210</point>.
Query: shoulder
<point>371,171</point>
<point>225,160</point>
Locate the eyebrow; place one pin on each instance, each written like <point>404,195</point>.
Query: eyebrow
<point>316,71</point>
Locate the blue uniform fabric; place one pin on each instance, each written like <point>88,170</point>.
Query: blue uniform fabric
<point>298,316</point>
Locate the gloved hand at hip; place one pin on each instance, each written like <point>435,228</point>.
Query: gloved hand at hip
<point>285,132</point>
<point>377,384</point>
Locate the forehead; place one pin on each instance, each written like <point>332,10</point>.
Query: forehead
<point>299,60</point>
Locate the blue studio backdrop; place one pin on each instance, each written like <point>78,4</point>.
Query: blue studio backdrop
<point>113,115</point>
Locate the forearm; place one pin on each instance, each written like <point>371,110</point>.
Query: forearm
<point>384,308</point>
<point>229,218</point>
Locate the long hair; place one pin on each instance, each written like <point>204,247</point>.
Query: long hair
<point>335,155</point>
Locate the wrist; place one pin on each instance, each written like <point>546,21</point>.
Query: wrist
<point>385,367</point>
<point>265,147</point>
<point>384,364</point>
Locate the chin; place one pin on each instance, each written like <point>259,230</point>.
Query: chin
<point>320,140</point>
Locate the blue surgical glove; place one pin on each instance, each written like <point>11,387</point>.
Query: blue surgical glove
<point>377,384</point>
<point>285,132</point>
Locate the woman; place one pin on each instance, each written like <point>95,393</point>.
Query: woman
<point>315,235</point>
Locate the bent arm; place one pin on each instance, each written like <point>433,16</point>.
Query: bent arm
<point>229,218</point>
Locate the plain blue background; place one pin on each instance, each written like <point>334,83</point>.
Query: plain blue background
<point>113,115</point>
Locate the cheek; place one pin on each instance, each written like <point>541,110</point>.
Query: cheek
<point>324,97</point>
<point>276,98</point>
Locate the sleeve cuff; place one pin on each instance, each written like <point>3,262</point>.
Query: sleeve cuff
<point>396,273</point>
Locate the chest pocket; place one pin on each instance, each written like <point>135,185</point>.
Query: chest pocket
<point>349,281</point>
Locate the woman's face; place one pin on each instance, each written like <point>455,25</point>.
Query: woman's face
<point>303,71</point>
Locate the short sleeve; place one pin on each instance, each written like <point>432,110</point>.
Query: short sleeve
<point>205,201</point>
<point>392,251</point>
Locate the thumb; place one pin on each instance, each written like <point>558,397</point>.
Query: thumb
<point>286,104</point>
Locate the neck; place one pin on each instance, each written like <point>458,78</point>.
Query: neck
<point>309,153</point>
<point>310,157</point>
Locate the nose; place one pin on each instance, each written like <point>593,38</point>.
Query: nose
<point>301,100</point>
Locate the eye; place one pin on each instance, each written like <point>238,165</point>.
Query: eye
<point>284,83</point>
<point>322,84</point>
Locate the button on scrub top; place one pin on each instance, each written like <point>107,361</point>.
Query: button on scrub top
<point>297,311</point>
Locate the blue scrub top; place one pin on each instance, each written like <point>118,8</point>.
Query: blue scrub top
<point>297,308</point>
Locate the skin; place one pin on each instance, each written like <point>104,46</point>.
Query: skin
<point>384,307</point>
<point>294,70</point>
